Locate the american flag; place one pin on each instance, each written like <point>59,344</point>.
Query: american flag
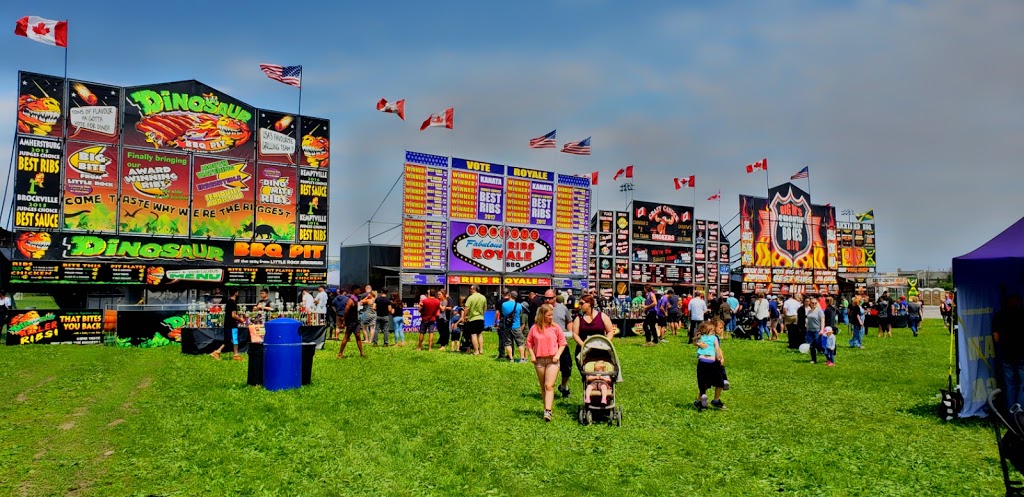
<point>800,175</point>
<point>546,141</point>
<point>581,147</point>
<point>289,75</point>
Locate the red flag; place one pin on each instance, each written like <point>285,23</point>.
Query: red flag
<point>761,165</point>
<point>717,196</point>
<point>681,182</point>
<point>392,107</point>
<point>43,30</point>
<point>593,178</point>
<point>627,171</point>
<point>445,119</point>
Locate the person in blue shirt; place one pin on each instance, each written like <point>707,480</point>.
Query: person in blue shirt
<point>710,362</point>
<point>512,327</point>
<point>734,304</point>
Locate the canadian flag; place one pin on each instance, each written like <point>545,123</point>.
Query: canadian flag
<point>627,171</point>
<point>392,107</point>
<point>43,30</point>
<point>717,196</point>
<point>593,178</point>
<point>684,182</point>
<point>761,165</point>
<point>445,119</point>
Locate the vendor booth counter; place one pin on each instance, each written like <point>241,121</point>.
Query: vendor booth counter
<point>201,330</point>
<point>206,340</point>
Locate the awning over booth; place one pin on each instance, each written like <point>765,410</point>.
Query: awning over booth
<point>983,279</point>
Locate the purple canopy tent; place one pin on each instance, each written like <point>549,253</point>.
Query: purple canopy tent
<point>984,279</point>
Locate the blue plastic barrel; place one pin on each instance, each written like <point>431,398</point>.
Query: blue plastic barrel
<point>282,355</point>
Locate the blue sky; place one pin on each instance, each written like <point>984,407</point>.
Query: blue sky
<point>909,108</point>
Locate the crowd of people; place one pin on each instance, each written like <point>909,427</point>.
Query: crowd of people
<point>540,328</point>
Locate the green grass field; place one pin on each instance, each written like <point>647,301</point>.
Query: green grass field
<point>94,420</point>
<point>35,301</point>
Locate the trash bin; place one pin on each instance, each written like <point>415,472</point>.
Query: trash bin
<point>282,355</point>
<point>255,364</point>
<point>308,352</point>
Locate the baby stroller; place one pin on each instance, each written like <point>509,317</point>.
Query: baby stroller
<point>1010,443</point>
<point>746,326</point>
<point>599,365</point>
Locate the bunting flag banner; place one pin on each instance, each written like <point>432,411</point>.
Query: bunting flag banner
<point>866,216</point>
<point>593,178</point>
<point>684,182</point>
<point>803,174</point>
<point>761,165</point>
<point>392,107</point>
<point>546,141</point>
<point>43,30</point>
<point>444,119</point>
<point>627,171</point>
<point>581,147</point>
<point>717,196</point>
<point>289,75</point>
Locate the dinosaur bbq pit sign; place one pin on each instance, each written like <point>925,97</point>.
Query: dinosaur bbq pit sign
<point>482,247</point>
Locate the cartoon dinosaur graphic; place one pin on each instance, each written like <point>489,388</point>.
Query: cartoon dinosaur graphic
<point>133,214</point>
<point>265,231</point>
<point>37,115</point>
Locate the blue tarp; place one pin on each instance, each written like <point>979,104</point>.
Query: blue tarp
<point>984,279</point>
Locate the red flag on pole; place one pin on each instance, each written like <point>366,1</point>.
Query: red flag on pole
<point>761,165</point>
<point>392,107</point>
<point>684,182</point>
<point>43,30</point>
<point>444,119</point>
<point>593,178</point>
<point>627,171</point>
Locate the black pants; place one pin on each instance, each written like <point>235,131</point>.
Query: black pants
<point>693,328</point>
<point>502,334</point>
<point>651,327</point>
<point>443,332</point>
<point>793,336</point>
<point>566,363</point>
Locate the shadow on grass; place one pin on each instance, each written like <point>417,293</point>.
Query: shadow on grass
<point>929,410</point>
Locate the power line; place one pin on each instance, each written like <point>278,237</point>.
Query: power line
<point>385,199</point>
<point>357,230</point>
<point>393,228</point>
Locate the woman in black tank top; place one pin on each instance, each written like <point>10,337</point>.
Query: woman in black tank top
<point>590,322</point>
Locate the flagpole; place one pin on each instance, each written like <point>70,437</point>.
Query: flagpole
<point>555,166</point>
<point>720,211</point>
<point>300,91</point>
<point>694,188</point>
<point>809,182</point>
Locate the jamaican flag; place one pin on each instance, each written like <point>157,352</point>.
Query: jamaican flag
<point>866,216</point>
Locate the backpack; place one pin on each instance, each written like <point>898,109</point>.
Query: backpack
<point>726,310</point>
<point>509,319</point>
